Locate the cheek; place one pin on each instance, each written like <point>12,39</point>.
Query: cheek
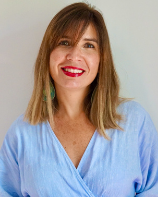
<point>54,57</point>
<point>94,62</point>
<point>55,60</point>
<point>52,63</point>
<point>57,55</point>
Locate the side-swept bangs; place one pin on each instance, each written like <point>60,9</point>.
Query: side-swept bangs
<point>72,22</point>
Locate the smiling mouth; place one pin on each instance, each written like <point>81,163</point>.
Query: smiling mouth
<point>72,71</point>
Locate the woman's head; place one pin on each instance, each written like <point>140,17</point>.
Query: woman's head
<point>74,20</point>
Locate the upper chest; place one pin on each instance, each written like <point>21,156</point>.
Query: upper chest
<point>74,136</point>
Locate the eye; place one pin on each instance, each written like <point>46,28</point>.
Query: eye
<point>89,45</point>
<point>64,43</point>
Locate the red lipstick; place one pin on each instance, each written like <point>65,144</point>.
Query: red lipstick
<point>72,71</point>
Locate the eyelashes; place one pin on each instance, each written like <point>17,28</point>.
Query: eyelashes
<point>68,43</point>
<point>64,43</point>
<point>89,45</point>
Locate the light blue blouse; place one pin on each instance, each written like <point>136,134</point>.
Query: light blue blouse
<point>34,163</point>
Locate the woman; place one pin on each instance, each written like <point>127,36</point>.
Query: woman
<point>77,137</point>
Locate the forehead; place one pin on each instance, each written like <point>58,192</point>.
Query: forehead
<point>88,33</point>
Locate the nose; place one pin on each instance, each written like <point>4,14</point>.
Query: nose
<point>74,54</point>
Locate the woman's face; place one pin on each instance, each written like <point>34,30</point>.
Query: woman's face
<point>75,66</point>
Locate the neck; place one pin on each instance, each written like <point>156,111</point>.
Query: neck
<point>71,102</point>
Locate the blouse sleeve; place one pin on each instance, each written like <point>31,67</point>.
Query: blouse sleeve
<point>9,170</point>
<point>148,153</point>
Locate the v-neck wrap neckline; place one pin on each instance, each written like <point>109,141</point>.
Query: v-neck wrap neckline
<point>76,171</point>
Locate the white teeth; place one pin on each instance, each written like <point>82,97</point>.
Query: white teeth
<point>73,70</point>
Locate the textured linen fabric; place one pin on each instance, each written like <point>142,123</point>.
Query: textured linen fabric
<point>34,163</point>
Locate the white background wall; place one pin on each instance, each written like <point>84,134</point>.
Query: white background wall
<point>133,31</point>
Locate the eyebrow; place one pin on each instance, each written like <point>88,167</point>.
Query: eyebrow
<point>85,39</point>
<point>91,39</point>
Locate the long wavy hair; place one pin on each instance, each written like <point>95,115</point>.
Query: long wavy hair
<point>103,98</point>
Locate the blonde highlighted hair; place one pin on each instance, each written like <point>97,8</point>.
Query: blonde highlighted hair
<point>103,98</point>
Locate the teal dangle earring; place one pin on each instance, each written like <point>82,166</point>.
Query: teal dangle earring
<point>52,93</point>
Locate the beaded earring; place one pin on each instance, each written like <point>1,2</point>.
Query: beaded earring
<point>52,93</point>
